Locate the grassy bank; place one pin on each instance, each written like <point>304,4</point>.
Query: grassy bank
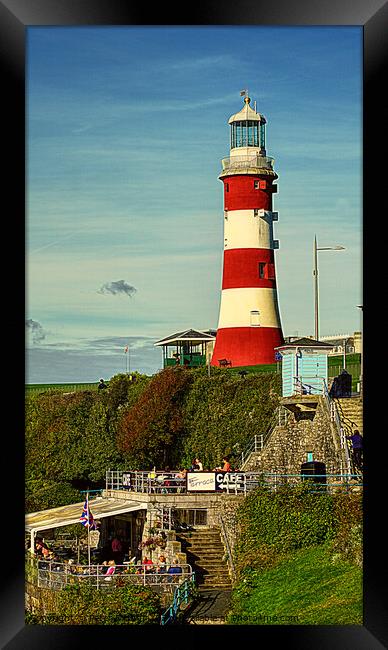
<point>65,388</point>
<point>307,588</point>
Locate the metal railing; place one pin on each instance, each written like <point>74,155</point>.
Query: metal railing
<point>255,160</point>
<point>309,385</point>
<point>158,482</point>
<point>57,575</point>
<point>317,482</point>
<point>259,440</point>
<point>244,482</point>
<point>225,538</point>
<point>181,596</point>
<point>256,444</point>
<point>346,463</point>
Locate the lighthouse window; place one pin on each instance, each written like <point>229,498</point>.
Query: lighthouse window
<point>262,135</point>
<point>256,185</point>
<point>261,270</point>
<point>255,318</point>
<point>245,134</point>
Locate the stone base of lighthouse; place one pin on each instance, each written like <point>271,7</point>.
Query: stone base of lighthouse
<point>246,346</point>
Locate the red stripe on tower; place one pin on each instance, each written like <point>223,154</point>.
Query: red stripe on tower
<point>249,322</point>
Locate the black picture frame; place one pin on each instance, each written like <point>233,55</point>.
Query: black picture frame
<point>15,17</point>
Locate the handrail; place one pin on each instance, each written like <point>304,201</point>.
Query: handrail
<point>348,429</point>
<point>243,482</point>
<point>228,549</point>
<point>334,416</point>
<point>301,385</point>
<point>259,440</point>
<point>181,595</point>
<point>56,575</point>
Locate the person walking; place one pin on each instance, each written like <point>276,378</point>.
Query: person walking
<point>357,447</point>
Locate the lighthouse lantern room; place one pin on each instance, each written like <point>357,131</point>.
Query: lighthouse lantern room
<point>249,325</point>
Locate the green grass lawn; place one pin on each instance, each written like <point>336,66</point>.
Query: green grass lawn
<point>40,388</point>
<point>306,589</point>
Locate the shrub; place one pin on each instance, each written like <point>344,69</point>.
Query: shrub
<point>84,605</point>
<point>289,518</point>
<point>348,542</point>
<point>222,413</point>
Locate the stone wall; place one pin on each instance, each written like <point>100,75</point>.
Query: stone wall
<point>227,511</point>
<point>287,447</point>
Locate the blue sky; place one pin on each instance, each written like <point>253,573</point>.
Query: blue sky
<point>126,128</point>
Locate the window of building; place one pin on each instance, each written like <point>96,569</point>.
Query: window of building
<point>262,266</point>
<point>256,185</point>
<point>226,187</point>
<point>255,318</point>
<point>192,517</point>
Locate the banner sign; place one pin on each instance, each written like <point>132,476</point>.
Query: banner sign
<point>214,481</point>
<point>229,481</point>
<point>201,481</point>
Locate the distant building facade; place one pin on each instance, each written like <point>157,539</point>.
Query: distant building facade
<point>352,342</point>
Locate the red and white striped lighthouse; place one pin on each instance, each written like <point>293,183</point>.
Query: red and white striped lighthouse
<point>249,322</point>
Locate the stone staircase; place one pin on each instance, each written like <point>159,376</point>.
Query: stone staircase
<point>252,463</point>
<point>205,552</point>
<point>350,412</point>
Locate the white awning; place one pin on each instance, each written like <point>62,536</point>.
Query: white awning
<point>70,514</point>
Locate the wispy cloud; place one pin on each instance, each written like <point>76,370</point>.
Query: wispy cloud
<point>36,331</point>
<point>118,287</point>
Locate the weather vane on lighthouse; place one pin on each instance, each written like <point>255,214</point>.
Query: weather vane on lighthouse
<point>249,325</point>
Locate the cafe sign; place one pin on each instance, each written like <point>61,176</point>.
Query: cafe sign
<point>201,481</point>
<point>214,481</point>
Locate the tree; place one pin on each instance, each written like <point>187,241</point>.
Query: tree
<point>151,432</point>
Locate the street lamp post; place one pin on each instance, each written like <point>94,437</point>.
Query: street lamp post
<point>315,274</point>
<point>361,355</point>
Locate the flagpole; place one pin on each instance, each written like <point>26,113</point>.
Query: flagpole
<point>88,524</point>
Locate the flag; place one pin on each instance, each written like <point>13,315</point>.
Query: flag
<point>84,517</point>
<point>126,348</point>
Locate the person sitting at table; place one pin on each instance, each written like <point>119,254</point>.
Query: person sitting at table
<point>111,570</point>
<point>226,466</point>
<point>174,571</point>
<point>148,564</point>
<point>42,550</point>
<point>162,565</point>
<point>180,476</point>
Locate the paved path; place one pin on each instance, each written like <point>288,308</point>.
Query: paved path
<point>211,608</point>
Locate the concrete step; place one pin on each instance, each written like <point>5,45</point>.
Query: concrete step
<point>203,564</point>
<point>216,584</point>
<point>205,545</point>
<point>200,531</point>
<point>199,549</point>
